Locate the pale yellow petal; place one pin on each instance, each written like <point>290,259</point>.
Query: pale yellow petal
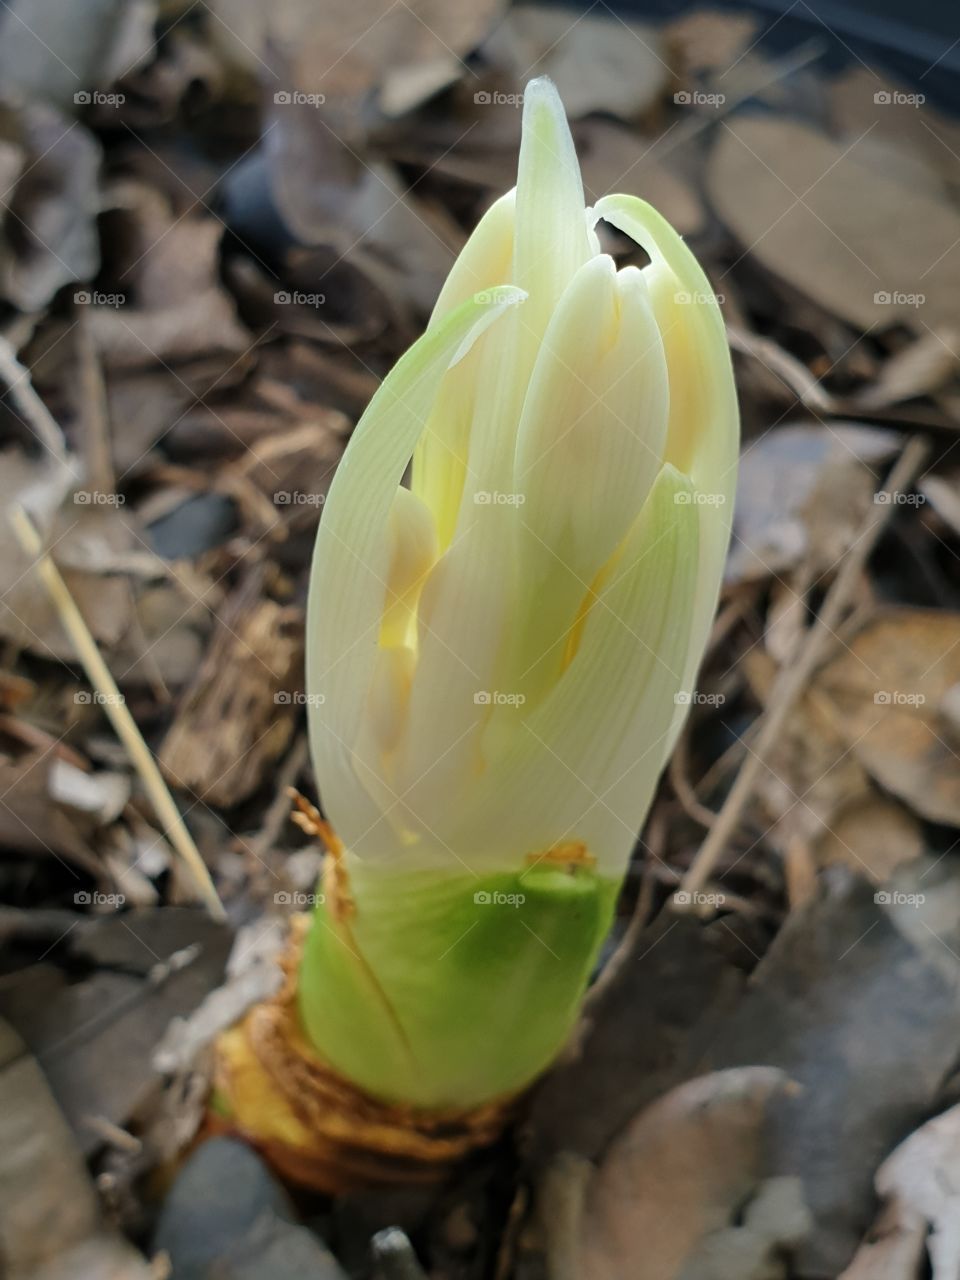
<point>348,588</point>
<point>704,428</point>
<point>590,445</point>
<point>583,765</point>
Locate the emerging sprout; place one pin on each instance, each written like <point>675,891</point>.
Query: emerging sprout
<point>500,656</point>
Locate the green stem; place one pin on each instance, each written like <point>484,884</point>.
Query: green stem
<point>451,990</point>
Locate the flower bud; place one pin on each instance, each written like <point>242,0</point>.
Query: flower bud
<point>503,648</point>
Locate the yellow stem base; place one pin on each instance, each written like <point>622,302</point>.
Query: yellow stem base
<point>317,1129</point>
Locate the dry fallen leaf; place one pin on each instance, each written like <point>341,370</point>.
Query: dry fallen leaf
<point>50,1227</point>
<point>863,1017</point>
<point>710,41</point>
<point>48,1201</point>
<point>787,495</point>
<point>345,49</point>
<point>922,367</point>
<point>49,236</point>
<point>615,67</point>
<point>90,540</point>
<point>863,99</point>
<point>873,835</point>
<point>889,686</point>
<point>169,304</point>
<point>943,494</point>
<point>920,1183</point>
<point>810,776</point>
<point>830,217</point>
<point>238,714</point>
<point>66,49</point>
<point>683,1171</point>
<point>615,159</point>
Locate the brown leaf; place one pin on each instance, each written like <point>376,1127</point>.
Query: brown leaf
<point>614,159</point>
<point>943,494</point>
<point>809,777</point>
<point>826,215</point>
<point>168,304</point>
<point>919,369</point>
<point>61,50</point>
<point>45,811</point>
<point>48,1201</point>
<point>920,1182</point>
<point>344,49</point>
<point>858,103</point>
<point>889,687</point>
<point>597,64</point>
<point>50,234</point>
<point>89,539</point>
<point>803,489</point>
<point>167,639</point>
<point>96,1036</point>
<point>709,41</point>
<point>238,714</point>
<point>873,835</point>
<point>859,1014</point>
<point>681,1173</point>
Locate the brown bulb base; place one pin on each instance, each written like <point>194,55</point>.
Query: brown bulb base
<point>318,1130</point>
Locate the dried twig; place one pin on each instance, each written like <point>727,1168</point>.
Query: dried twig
<point>561,1197</point>
<point>28,404</point>
<point>796,676</point>
<point>793,373</point>
<point>116,709</point>
<point>96,414</point>
<point>278,811</point>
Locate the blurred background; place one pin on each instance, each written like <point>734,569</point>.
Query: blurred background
<point>221,221</point>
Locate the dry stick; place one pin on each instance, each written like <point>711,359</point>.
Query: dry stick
<point>279,809</point>
<point>795,678</point>
<point>28,404</point>
<point>116,709</point>
<point>95,412</point>
<point>561,1200</point>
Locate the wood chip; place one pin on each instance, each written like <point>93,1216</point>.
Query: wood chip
<point>239,713</point>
